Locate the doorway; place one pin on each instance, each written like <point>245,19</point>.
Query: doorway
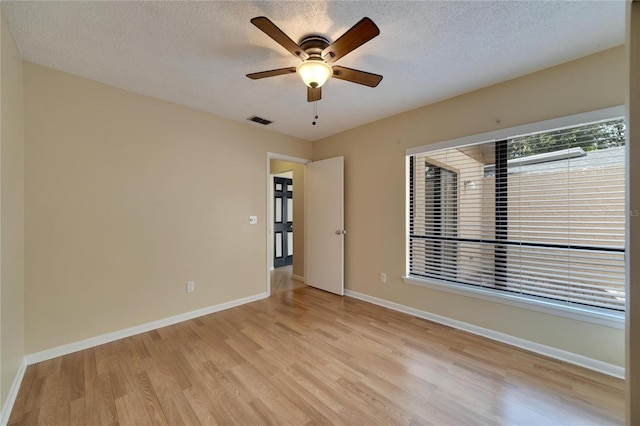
<point>325,258</point>
<point>283,220</point>
<point>280,217</point>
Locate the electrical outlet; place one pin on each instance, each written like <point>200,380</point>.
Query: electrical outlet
<point>191,286</point>
<point>253,220</point>
<point>383,277</point>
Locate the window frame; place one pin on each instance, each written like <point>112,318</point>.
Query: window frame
<point>595,315</point>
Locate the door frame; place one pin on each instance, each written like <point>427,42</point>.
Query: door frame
<point>269,209</point>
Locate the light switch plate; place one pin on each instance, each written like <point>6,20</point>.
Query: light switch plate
<point>253,220</point>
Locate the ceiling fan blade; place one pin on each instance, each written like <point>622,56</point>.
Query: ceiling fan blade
<point>270,29</point>
<point>355,37</point>
<point>356,76</point>
<point>314,94</point>
<point>271,73</point>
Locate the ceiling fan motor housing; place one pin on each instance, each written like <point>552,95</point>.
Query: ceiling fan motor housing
<point>313,46</point>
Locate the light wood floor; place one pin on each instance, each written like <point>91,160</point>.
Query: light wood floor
<point>282,280</point>
<point>304,356</point>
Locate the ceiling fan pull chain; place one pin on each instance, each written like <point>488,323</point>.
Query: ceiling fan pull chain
<point>315,112</point>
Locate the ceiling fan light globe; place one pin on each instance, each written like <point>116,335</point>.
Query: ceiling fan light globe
<point>314,73</point>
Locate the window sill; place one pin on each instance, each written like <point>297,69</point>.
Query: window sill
<point>576,312</point>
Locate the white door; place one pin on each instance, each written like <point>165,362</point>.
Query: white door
<point>325,225</point>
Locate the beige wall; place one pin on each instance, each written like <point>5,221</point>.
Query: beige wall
<point>375,193</point>
<point>11,212</point>
<point>127,199</point>
<point>279,166</point>
<point>633,242</point>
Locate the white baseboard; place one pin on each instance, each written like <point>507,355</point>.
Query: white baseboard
<point>13,393</point>
<point>580,360</point>
<point>298,277</point>
<point>132,331</point>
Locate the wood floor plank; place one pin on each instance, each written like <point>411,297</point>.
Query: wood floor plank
<point>35,393</point>
<point>207,401</point>
<point>299,395</point>
<point>20,404</point>
<point>262,389</point>
<point>100,404</point>
<point>305,356</point>
<point>127,416</point>
<point>48,407</point>
<point>230,399</point>
<point>348,404</point>
<point>73,366</point>
<point>199,407</point>
<point>29,418</point>
<point>77,412</point>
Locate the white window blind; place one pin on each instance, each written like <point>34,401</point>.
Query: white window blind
<point>541,215</point>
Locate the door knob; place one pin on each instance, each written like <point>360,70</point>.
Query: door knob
<point>341,232</point>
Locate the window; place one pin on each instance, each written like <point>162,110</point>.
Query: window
<point>540,216</point>
<point>440,218</point>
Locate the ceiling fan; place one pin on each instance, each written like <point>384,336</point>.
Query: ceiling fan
<point>317,53</point>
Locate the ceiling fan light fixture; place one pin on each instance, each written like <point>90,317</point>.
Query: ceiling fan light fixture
<point>314,73</point>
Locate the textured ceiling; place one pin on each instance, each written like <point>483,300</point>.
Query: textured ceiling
<point>197,53</point>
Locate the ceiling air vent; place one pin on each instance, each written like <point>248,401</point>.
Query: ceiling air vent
<point>259,120</point>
